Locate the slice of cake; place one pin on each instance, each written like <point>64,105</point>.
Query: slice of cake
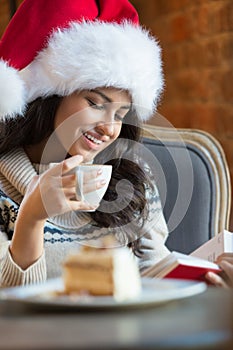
<point>99,272</point>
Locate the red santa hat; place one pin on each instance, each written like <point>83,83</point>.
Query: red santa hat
<point>58,47</point>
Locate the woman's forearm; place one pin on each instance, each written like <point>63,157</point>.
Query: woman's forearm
<point>47,195</point>
<point>28,240</point>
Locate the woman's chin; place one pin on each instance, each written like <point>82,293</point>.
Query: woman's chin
<point>86,157</point>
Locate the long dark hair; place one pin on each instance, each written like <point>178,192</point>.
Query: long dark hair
<point>37,123</point>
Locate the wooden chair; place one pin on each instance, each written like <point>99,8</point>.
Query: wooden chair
<point>193,180</point>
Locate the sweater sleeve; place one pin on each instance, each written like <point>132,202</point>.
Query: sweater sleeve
<point>12,275</point>
<point>150,246</point>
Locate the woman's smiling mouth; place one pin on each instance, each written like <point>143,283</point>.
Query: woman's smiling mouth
<point>92,138</point>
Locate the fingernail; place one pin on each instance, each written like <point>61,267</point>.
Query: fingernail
<point>101,183</point>
<point>99,171</point>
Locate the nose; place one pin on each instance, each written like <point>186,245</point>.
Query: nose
<point>106,128</point>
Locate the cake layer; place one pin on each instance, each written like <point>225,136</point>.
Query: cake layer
<point>92,281</point>
<point>112,271</point>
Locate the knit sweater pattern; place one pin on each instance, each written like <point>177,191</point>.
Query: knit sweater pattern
<point>64,233</point>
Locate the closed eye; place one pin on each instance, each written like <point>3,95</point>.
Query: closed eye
<point>101,107</point>
<point>119,118</point>
<point>94,105</point>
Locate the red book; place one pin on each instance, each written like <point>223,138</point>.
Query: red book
<point>181,266</point>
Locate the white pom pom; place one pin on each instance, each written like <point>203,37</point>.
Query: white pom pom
<point>12,92</point>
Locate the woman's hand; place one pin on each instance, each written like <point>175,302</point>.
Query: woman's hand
<point>49,194</point>
<point>224,279</point>
<point>53,192</point>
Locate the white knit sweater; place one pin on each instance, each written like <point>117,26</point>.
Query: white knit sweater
<point>63,233</point>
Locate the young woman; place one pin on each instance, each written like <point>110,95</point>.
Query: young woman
<point>77,94</point>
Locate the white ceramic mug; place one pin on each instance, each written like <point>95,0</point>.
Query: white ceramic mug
<point>94,197</point>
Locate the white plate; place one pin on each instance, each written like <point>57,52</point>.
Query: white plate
<point>154,292</point>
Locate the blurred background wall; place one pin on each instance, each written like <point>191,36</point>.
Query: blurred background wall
<point>7,9</point>
<point>196,37</point>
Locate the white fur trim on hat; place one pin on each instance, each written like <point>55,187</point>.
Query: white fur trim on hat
<point>88,55</point>
<point>12,91</point>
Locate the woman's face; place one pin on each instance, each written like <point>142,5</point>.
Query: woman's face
<point>87,122</point>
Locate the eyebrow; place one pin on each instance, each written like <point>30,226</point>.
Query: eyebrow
<point>107,99</point>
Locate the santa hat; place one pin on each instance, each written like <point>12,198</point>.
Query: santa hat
<point>58,47</point>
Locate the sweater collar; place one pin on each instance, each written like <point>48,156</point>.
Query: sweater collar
<point>17,169</point>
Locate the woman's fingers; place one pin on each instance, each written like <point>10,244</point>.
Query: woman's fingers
<point>215,279</point>
<point>77,205</point>
<point>225,257</point>
<point>93,186</point>
<point>227,267</point>
<point>65,166</point>
<point>69,181</point>
<point>55,189</point>
<point>90,175</point>
<point>91,181</point>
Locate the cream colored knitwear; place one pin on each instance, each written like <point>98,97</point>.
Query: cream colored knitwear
<point>64,233</point>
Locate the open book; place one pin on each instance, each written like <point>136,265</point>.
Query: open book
<point>195,265</point>
<point>222,243</point>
